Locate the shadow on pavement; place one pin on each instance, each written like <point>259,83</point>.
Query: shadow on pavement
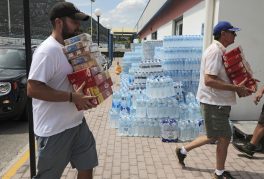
<point>251,158</point>
<point>236,174</point>
<point>13,127</point>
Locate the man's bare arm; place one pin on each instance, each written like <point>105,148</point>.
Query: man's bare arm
<point>214,82</point>
<point>40,90</point>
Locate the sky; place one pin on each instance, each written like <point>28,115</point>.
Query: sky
<point>115,13</point>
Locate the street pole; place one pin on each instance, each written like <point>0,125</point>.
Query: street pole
<point>29,100</point>
<point>98,18</point>
<point>98,14</point>
<point>108,47</point>
<point>9,17</point>
<point>92,18</point>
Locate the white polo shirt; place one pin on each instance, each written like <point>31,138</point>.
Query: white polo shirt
<point>212,64</point>
<point>50,66</point>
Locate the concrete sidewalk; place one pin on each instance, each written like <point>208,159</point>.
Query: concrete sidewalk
<point>141,157</point>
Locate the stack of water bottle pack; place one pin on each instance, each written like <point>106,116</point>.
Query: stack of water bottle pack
<point>190,123</point>
<point>140,113</point>
<point>156,112</point>
<point>85,58</point>
<point>181,59</point>
<point>179,119</point>
<point>146,69</point>
<point>162,106</point>
<point>156,105</point>
<point>149,48</point>
<point>149,66</point>
<point>129,58</point>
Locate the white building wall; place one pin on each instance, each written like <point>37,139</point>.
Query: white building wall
<point>151,9</point>
<point>165,30</point>
<point>148,37</point>
<point>248,15</point>
<point>193,20</point>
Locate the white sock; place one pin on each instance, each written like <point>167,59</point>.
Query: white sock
<point>183,151</point>
<point>219,172</point>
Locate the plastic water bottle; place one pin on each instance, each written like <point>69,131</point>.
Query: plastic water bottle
<point>113,118</point>
<point>157,131</point>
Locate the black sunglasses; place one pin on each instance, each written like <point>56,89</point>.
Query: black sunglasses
<point>232,32</point>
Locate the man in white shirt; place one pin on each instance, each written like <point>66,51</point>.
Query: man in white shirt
<point>216,95</point>
<point>61,130</point>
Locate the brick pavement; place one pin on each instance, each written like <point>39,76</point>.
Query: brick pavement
<point>142,157</point>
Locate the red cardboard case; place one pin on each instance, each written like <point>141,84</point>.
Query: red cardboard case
<point>232,61</point>
<point>238,69</point>
<point>88,75</point>
<point>233,52</point>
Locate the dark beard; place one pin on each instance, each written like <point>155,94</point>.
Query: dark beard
<point>65,32</point>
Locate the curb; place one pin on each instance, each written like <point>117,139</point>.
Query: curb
<point>16,163</point>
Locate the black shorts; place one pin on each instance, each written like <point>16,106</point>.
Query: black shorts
<point>261,117</point>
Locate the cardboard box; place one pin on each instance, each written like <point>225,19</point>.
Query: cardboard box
<point>94,101</point>
<point>94,47</point>
<point>235,68</point>
<point>80,52</point>
<point>232,53</point>
<point>81,37</point>
<point>80,60</point>
<point>95,55</point>
<point>78,77</point>
<point>100,88</point>
<point>238,69</point>
<point>85,65</point>
<point>104,95</point>
<point>95,70</point>
<point>101,77</point>
<point>85,75</point>
<point>102,92</point>
<point>232,61</point>
<point>75,46</point>
<point>251,84</point>
<point>106,84</point>
<point>239,79</point>
<point>100,97</point>
<point>242,72</point>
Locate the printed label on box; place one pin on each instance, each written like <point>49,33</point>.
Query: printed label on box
<point>81,37</point>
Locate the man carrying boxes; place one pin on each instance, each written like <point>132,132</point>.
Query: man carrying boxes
<point>216,94</point>
<point>61,130</point>
<point>84,58</point>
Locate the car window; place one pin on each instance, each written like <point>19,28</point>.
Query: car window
<point>12,58</point>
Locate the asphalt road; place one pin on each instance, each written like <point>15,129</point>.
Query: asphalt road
<point>13,138</point>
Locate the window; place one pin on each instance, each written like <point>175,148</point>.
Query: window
<point>154,35</point>
<point>12,58</point>
<point>177,26</point>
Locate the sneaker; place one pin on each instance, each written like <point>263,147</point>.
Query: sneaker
<point>247,149</point>
<point>225,175</point>
<point>180,156</point>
